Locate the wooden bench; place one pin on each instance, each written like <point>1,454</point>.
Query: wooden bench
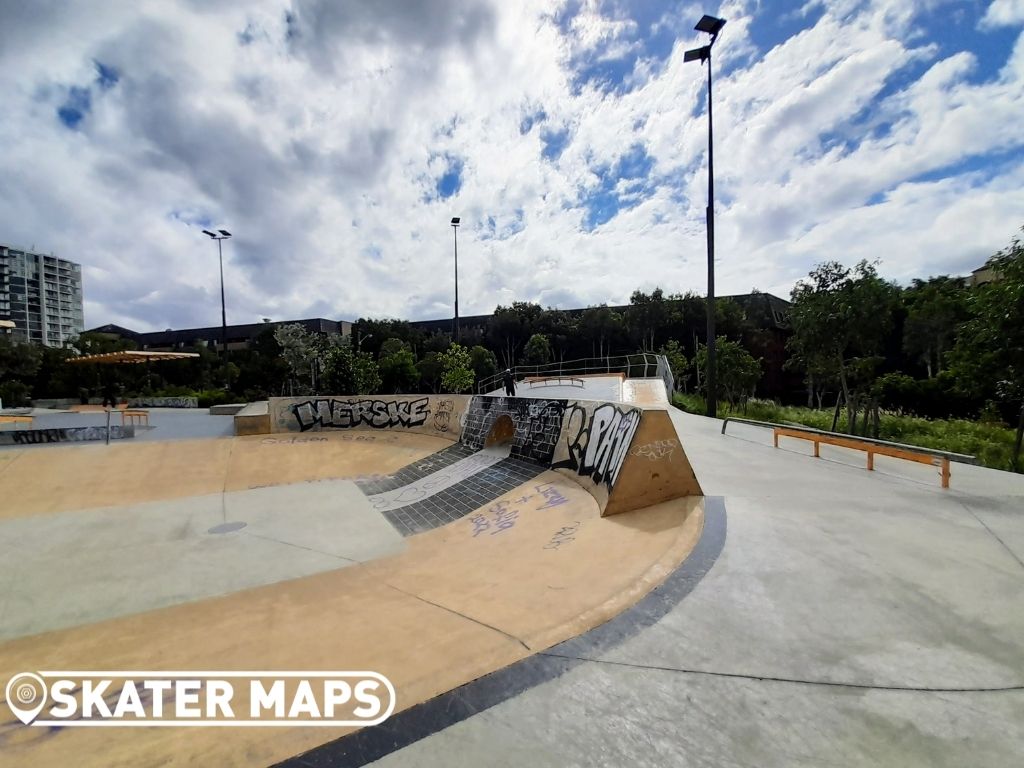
<point>872,448</point>
<point>129,416</point>
<point>16,420</point>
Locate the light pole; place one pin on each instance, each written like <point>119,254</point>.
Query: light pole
<point>224,235</point>
<point>711,26</point>
<point>455,232</point>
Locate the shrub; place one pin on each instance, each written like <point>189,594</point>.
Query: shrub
<point>210,397</point>
<point>14,393</point>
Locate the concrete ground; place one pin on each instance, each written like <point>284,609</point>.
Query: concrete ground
<point>81,566</point>
<point>853,618</point>
<point>526,570</point>
<point>594,388</point>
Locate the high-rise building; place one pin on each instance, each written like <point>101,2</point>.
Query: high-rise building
<point>42,295</point>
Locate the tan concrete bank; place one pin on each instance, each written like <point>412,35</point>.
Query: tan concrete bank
<point>456,604</point>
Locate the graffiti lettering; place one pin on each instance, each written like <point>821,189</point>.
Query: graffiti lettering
<point>597,445</point>
<point>344,414</point>
<point>563,535</point>
<point>659,449</point>
<point>552,496</point>
<point>443,415</point>
<point>497,519</point>
<point>291,440</point>
<point>163,402</point>
<point>68,435</point>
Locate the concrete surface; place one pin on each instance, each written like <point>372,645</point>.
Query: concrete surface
<point>110,561</point>
<point>594,388</point>
<point>76,567</point>
<point>459,602</point>
<point>854,618</point>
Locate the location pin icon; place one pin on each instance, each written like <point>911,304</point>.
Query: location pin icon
<point>26,695</point>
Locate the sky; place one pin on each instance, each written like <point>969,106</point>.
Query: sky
<point>335,139</point>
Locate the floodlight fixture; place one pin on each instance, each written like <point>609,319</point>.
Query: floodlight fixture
<point>710,24</point>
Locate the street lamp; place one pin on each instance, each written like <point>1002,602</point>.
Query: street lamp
<point>455,232</point>
<point>712,26</point>
<point>224,235</point>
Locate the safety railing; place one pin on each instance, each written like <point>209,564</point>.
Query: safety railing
<point>869,445</point>
<point>642,365</point>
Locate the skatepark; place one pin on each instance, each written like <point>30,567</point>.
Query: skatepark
<point>578,575</point>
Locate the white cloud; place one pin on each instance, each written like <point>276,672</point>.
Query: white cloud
<point>317,138</point>
<point>1003,13</point>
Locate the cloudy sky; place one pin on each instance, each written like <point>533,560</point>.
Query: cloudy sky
<point>336,139</point>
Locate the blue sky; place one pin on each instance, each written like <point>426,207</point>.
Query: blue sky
<point>337,139</point>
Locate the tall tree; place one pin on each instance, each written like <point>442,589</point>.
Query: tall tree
<point>347,372</point>
<point>646,316</point>
<point>673,352</point>
<point>483,361</point>
<point>935,307</point>
<point>456,369</point>
<point>397,367</point>
<point>738,371</point>
<point>562,330</point>
<point>511,326</point>
<point>300,351</point>
<point>840,317</point>
<point>537,350</point>
<point>989,353</point>
<point>604,326</point>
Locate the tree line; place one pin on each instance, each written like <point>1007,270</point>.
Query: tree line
<point>851,341</point>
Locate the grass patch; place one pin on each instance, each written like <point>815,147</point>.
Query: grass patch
<point>992,443</point>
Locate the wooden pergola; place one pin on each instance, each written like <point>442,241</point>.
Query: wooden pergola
<point>129,357</point>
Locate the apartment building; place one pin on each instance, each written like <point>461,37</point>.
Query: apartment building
<point>42,295</point>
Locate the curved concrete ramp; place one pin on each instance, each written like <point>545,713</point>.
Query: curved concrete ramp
<point>526,562</point>
<point>626,456</point>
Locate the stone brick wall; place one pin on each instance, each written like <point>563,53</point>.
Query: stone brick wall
<point>538,424</point>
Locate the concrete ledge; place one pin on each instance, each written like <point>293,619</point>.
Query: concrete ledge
<point>251,419</point>
<point>227,409</point>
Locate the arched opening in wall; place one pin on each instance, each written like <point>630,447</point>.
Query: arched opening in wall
<point>502,431</point>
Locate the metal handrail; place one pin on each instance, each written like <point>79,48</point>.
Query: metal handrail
<point>962,458</point>
<point>652,365</point>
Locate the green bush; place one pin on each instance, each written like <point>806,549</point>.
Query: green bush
<point>991,443</point>
<point>14,393</point>
<point>171,391</point>
<point>210,397</point>
<point>935,398</point>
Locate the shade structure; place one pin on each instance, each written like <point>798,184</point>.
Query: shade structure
<point>128,357</point>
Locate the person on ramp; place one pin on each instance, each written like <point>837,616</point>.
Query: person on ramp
<point>510,383</point>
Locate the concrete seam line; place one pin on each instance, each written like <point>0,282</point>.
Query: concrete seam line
<point>461,615</point>
<point>797,681</point>
<point>12,461</point>
<point>299,546</point>
<point>993,533</point>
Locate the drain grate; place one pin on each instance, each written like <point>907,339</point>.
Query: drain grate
<point>228,527</point>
